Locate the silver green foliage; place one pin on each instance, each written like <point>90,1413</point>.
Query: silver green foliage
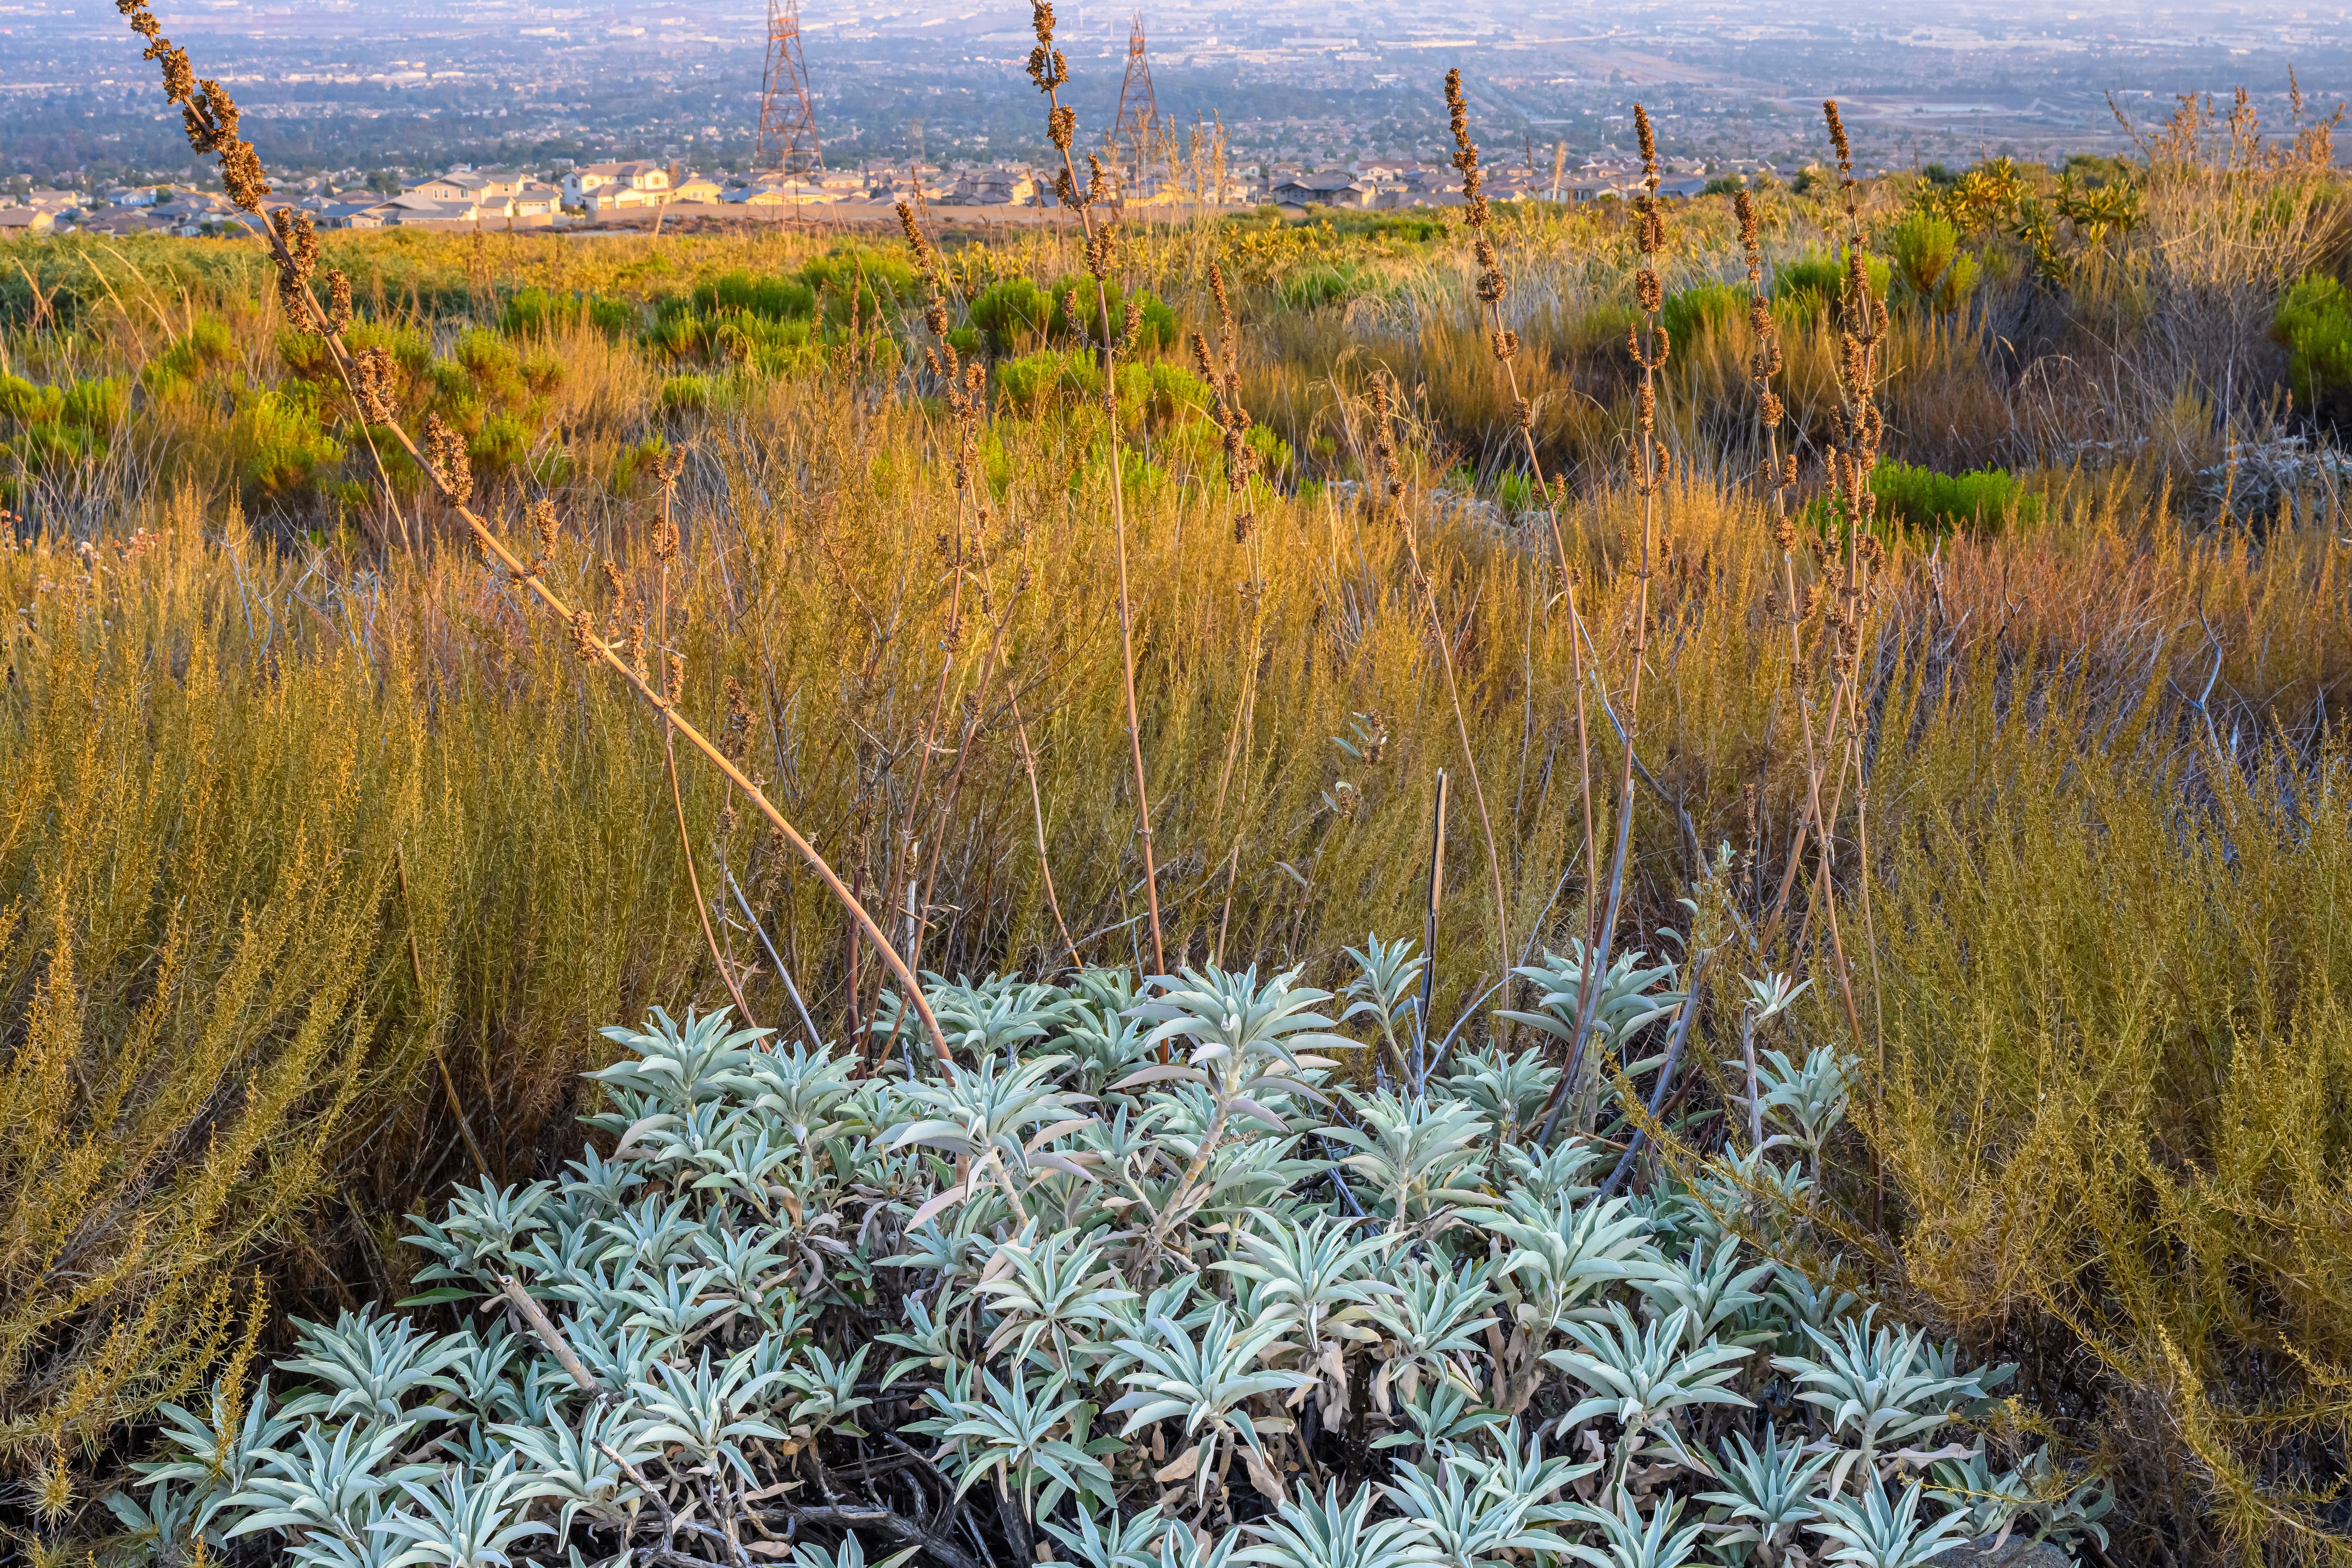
<point>1152,1275</point>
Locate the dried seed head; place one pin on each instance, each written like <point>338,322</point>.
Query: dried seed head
<point>1389,482</point>
<point>584,635</point>
<point>1838,141</point>
<point>1047,68</point>
<point>1102,245</point>
<point>677,677</point>
<point>299,262</point>
<point>1750,236</point>
<point>1649,294</point>
<point>540,515</point>
<point>1652,230</point>
<point>1784,535</point>
<point>1649,142</point>
<point>444,449</point>
<point>372,369</point>
<point>339,302</point>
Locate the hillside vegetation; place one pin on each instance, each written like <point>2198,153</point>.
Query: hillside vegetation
<point>1869,661</point>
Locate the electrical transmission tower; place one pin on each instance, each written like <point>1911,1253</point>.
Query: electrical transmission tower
<point>1128,141</point>
<point>787,140</point>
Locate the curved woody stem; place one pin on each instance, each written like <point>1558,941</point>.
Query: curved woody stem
<point>210,118</point>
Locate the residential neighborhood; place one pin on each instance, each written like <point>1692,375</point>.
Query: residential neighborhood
<point>641,189</point>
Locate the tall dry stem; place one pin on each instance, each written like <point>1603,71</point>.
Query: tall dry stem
<point>1049,70</point>
<point>211,121</point>
<point>1647,343</point>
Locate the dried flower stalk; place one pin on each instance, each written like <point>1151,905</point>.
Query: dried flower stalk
<point>1049,70</point>
<point>212,119</point>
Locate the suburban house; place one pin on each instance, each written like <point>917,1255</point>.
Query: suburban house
<point>697,190</point>
<point>649,179</point>
<point>1001,186</point>
<point>926,184</point>
<point>465,185</point>
<point>773,190</point>
<point>17,221</point>
<point>1330,189</point>
<point>413,209</point>
<point>370,213</point>
<point>532,205</point>
<point>496,184</point>
<point>605,200</point>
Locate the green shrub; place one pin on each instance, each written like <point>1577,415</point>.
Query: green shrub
<point>55,427</point>
<point>1159,393</point>
<point>1927,263</point>
<point>205,344</point>
<point>1309,287</point>
<point>306,358</point>
<point>499,447</point>
<point>533,310</point>
<point>493,369</point>
<point>1031,384</point>
<point>681,392</point>
<point>1078,313</point>
<point>632,463</point>
<point>97,406</point>
<point>1170,393</point>
<point>1816,282</point>
<point>410,346</point>
<point>886,276</point>
<point>614,317</point>
<point>776,298</point>
<point>679,330</point>
<point>2314,324</point>
<point>1923,501</point>
<point>1702,310</point>
<point>1274,456</point>
<point>542,372</point>
<point>45,448</point>
<point>1009,309</point>
<point>28,403</point>
<point>286,452</point>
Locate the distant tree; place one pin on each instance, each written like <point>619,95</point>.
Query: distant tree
<point>383,182</point>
